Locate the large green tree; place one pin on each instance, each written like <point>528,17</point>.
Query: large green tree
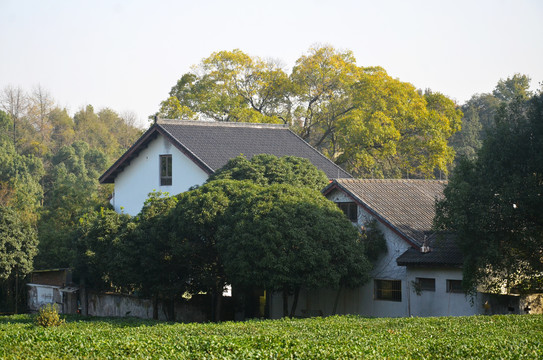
<point>361,118</point>
<point>494,203</point>
<point>283,238</point>
<point>71,190</point>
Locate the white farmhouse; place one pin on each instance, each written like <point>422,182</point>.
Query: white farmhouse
<point>174,155</point>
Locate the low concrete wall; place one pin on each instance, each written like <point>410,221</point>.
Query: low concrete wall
<point>117,305</point>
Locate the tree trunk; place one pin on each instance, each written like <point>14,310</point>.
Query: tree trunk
<point>155,306</point>
<point>218,306</point>
<point>83,297</point>
<point>295,302</point>
<point>171,309</point>
<point>337,299</point>
<point>285,302</point>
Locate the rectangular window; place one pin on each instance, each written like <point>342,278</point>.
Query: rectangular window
<point>165,170</point>
<point>390,290</point>
<point>454,286</point>
<point>426,284</point>
<point>349,209</point>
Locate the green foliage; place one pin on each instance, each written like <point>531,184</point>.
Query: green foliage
<point>20,177</point>
<point>481,110</point>
<point>18,243</point>
<point>284,237</point>
<point>71,190</point>
<point>265,169</point>
<point>359,117</point>
<point>493,203</point>
<point>97,244</point>
<point>337,337</point>
<point>48,316</point>
<point>374,240</point>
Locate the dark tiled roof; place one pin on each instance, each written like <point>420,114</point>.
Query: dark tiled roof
<point>408,206</point>
<point>211,144</point>
<point>443,252</point>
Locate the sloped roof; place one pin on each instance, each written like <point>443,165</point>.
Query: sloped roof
<point>408,206</point>
<point>211,144</point>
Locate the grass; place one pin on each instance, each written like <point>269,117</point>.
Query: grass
<point>345,337</point>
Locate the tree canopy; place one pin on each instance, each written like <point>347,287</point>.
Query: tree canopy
<point>266,169</point>
<point>360,117</point>
<point>494,203</point>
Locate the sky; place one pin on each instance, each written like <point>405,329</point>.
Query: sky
<point>127,55</point>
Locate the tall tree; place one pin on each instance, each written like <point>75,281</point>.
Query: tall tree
<point>283,238</point>
<point>322,82</point>
<point>359,117</point>
<point>493,203</point>
<point>71,190</point>
<point>394,131</point>
<point>18,246</point>
<point>231,86</point>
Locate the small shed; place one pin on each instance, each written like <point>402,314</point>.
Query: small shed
<point>53,286</point>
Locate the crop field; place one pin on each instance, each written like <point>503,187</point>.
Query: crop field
<point>339,337</point>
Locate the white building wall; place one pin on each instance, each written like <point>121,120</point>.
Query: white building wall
<point>440,302</point>
<point>142,176</point>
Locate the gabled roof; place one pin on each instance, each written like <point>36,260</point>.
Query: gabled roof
<point>211,144</point>
<point>405,206</point>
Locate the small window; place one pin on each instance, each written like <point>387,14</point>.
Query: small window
<point>165,170</point>
<point>349,209</point>
<point>426,284</point>
<point>454,286</point>
<point>390,290</point>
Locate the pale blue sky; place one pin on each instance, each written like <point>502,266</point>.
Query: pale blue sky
<point>126,55</point>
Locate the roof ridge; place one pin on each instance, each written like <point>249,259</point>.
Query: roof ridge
<point>393,180</point>
<point>221,124</point>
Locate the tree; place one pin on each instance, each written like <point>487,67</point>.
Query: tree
<point>493,203</point>
<point>359,117</point>
<point>480,111</point>
<point>71,190</point>
<point>230,86</point>
<point>394,131</point>
<point>151,261</point>
<point>265,169</point>
<point>322,82</point>
<point>18,246</point>
<point>283,238</point>
<point>194,224</point>
<point>513,88</point>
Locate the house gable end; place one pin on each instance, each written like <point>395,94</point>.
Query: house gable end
<point>336,186</point>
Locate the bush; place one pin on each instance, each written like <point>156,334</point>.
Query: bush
<point>48,316</point>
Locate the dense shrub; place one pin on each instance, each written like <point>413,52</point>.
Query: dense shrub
<point>48,316</point>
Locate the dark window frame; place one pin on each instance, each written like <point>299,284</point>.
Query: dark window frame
<point>165,170</point>
<point>426,284</point>
<point>350,209</point>
<point>387,290</point>
<point>454,286</point>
